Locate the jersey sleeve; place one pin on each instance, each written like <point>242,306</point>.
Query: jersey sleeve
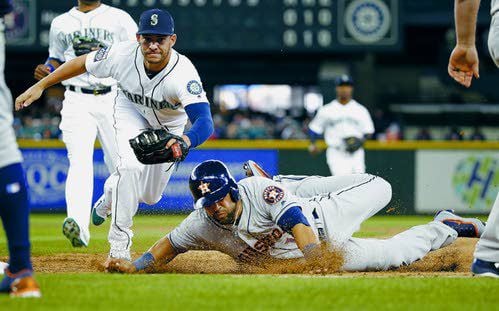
<point>189,88</point>
<point>187,236</point>
<point>274,199</point>
<point>317,123</point>
<point>367,123</point>
<point>100,63</point>
<point>57,47</point>
<point>129,27</point>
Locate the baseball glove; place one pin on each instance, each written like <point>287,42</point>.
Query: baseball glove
<point>84,45</point>
<point>150,147</point>
<point>353,143</point>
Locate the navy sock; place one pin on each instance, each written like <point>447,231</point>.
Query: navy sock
<point>14,210</point>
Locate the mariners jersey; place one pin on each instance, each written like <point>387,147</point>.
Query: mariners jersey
<point>160,99</point>
<point>339,121</point>
<point>256,235</point>
<point>494,6</point>
<point>9,153</point>
<point>105,23</point>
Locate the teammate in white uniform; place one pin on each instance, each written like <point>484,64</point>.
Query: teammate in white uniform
<point>341,119</point>
<point>158,87</point>
<point>258,218</point>
<point>463,66</point>
<point>14,206</point>
<point>88,103</point>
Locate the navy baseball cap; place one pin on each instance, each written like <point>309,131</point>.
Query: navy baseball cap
<point>156,22</point>
<point>344,80</point>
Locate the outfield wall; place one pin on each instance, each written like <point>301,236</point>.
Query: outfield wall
<point>425,176</point>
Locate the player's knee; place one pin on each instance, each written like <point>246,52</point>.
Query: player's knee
<point>385,191</point>
<point>130,168</point>
<point>150,199</point>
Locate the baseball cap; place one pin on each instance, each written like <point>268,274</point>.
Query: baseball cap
<point>156,22</point>
<point>344,80</point>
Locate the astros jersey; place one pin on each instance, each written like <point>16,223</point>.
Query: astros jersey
<point>107,24</point>
<point>256,234</point>
<point>9,153</point>
<point>161,99</point>
<point>338,121</point>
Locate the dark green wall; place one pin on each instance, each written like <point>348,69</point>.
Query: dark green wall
<point>397,167</point>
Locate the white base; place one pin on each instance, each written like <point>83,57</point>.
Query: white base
<point>3,265</point>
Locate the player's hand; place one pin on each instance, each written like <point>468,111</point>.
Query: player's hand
<point>173,141</point>
<point>28,97</point>
<point>115,265</point>
<point>463,64</point>
<point>41,71</point>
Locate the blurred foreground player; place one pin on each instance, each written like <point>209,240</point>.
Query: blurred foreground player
<point>14,209</point>
<point>463,66</point>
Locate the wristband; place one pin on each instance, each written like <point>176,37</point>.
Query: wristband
<point>145,261</point>
<point>51,67</point>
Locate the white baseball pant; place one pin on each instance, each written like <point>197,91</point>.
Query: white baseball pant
<point>83,118</point>
<point>341,162</point>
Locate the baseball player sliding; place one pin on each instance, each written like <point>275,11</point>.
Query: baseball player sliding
<point>88,102</point>
<point>159,90</point>
<point>463,66</point>
<point>259,218</point>
<point>345,124</point>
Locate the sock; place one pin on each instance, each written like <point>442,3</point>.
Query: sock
<point>14,211</point>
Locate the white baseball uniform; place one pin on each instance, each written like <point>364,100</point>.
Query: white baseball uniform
<point>487,247</point>
<point>336,122</point>
<point>142,103</point>
<point>9,151</point>
<point>339,205</point>
<point>87,116</point>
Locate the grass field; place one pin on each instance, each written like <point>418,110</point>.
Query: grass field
<point>101,291</point>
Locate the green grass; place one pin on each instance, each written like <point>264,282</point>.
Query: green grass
<point>100,291</point>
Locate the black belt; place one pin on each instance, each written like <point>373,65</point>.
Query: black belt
<point>78,89</point>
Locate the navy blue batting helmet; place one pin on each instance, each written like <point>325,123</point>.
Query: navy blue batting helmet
<point>344,80</point>
<point>210,181</point>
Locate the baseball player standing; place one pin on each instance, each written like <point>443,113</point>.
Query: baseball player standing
<point>88,102</point>
<point>463,66</point>
<point>14,205</point>
<point>258,218</point>
<point>345,124</point>
<point>158,89</point>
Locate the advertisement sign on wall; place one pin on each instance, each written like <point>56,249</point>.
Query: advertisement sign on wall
<point>46,172</point>
<point>466,181</point>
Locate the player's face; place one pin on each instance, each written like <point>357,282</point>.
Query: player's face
<point>223,211</point>
<point>156,48</point>
<point>344,92</point>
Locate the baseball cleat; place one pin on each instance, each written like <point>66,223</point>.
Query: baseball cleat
<point>253,169</point>
<point>21,284</point>
<point>100,211</point>
<point>484,268</point>
<point>71,230</point>
<point>465,227</point>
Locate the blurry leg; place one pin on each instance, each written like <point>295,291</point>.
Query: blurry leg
<point>487,247</point>
<point>14,210</point>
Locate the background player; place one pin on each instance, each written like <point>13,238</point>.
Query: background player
<point>345,124</point>
<point>14,207</point>
<point>159,88</point>
<point>463,66</point>
<point>88,102</point>
<point>258,218</point>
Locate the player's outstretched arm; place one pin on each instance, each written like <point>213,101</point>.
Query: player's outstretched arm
<point>463,61</point>
<point>161,252</point>
<point>72,68</point>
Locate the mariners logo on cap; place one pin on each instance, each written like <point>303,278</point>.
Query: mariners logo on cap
<point>154,19</point>
<point>203,187</point>
<point>194,87</point>
<point>273,194</point>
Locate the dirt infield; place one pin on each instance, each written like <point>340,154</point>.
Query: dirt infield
<point>453,260</point>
